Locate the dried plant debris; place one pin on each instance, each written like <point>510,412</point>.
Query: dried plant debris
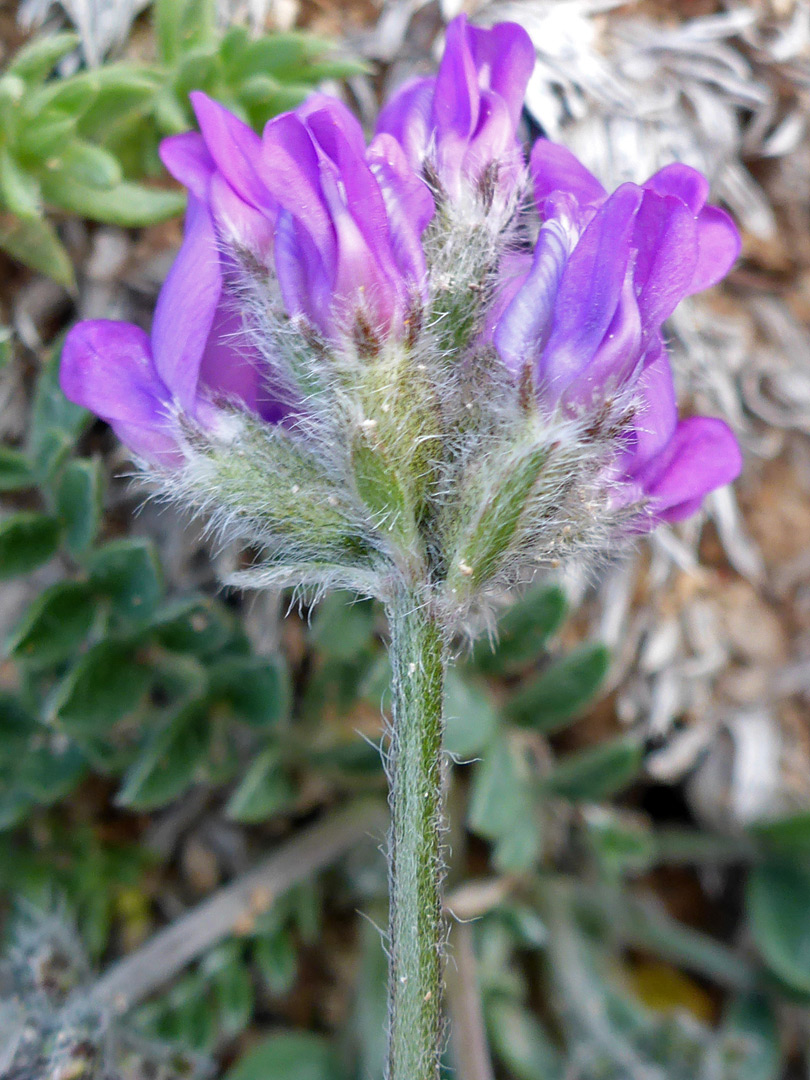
<point>49,1027</point>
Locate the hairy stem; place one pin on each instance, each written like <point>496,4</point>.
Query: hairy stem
<point>416,924</point>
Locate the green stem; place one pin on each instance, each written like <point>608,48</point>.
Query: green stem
<point>416,924</point>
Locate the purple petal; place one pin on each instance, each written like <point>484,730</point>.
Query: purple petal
<point>349,187</point>
<point>718,248</point>
<point>239,222</point>
<point>360,278</point>
<point>455,99</point>
<point>408,203</point>
<point>305,283</point>
<point>555,169</point>
<point>682,183</point>
<point>333,125</point>
<point>291,170</point>
<point>702,455</point>
<point>657,412</point>
<point>616,358</point>
<point>232,369</point>
<point>504,58</point>
<point>187,159</point>
<point>236,149</point>
<point>718,238</point>
<point>513,270</point>
<point>186,307</point>
<point>590,289</point>
<point>494,141</point>
<point>666,243</point>
<point>522,329</point>
<point>407,118</point>
<point>107,367</point>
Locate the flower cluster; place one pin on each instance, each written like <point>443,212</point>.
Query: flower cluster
<point>420,356</point>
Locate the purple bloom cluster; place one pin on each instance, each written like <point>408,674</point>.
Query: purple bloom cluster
<point>338,229</point>
<point>584,314</point>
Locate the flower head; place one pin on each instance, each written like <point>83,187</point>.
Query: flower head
<point>340,223</point>
<point>197,355</point>
<point>582,317</point>
<point>374,390</point>
<point>460,126</point>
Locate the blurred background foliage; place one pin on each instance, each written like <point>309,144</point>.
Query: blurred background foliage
<point>154,746</point>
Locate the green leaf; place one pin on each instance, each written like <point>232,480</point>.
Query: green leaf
<point>264,791</point>
<point>34,243</point>
<point>78,503</point>
<point>6,345</point>
<point>520,846</point>
<point>16,726</point>
<point>791,833</point>
<point>38,59</point>
<point>71,95</point>
<point>120,101</point>
<point>168,21</point>
<point>172,761</point>
<point>288,1055</point>
<point>255,689</point>
<point>267,92</point>
<point>778,902</point>
<point>277,960</point>
<point>128,573</point>
<point>127,204</point>
<point>523,631</point>
<point>193,624</point>
<point>19,191</point>
<point>107,684</point>
<point>622,843</point>
<point>751,1027</point>
<point>52,412</point>
<point>233,993</point>
<point>55,624</point>
<point>343,627</point>
<point>87,164</point>
<point>47,775</point>
<point>15,806</point>
<point>371,1006</point>
<point>171,116</point>
<point>44,135</point>
<point>550,701</point>
<point>27,540</point>
<point>471,717</point>
<point>52,453</point>
<point>520,1042</point>
<point>497,794</point>
<point>190,1019</point>
<point>284,56</point>
<point>16,471</point>
<point>596,773</point>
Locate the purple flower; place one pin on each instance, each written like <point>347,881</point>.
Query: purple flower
<point>324,233</point>
<point>671,464</point>
<point>463,121</point>
<point>196,355</point>
<point>583,316</point>
<point>340,223</point>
